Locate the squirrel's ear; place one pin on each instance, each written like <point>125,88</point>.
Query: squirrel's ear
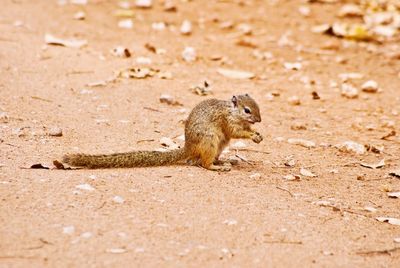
<point>234,101</point>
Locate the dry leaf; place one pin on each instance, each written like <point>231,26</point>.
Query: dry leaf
<point>294,100</point>
<point>302,142</point>
<point>235,74</point>
<point>202,90</point>
<point>246,43</point>
<point>150,48</point>
<point>73,43</point>
<point>307,173</point>
<point>292,65</point>
<point>390,134</point>
<point>168,99</point>
<point>138,73</point>
<point>393,221</point>
<point>80,15</point>
<point>374,166</point>
<point>350,10</point>
<point>351,147</point>
<point>291,177</point>
<point>394,194</point>
<point>395,173</point>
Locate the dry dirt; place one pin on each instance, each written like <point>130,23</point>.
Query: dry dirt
<point>184,216</point>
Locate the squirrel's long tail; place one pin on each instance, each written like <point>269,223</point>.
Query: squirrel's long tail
<point>130,159</point>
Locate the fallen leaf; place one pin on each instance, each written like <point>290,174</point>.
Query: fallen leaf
<point>351,147</point>
<point>291,177</point>
<point>395,173</point>
<point>80,15</point>
<point>393,221</point>
<point>394,194</point>
<point>246,43</point>
<point>375,149</point>
<point>85,186</point>
<point>307,173</point>
<point>350,10</point>
<point>235,74</point>
<point>374,166</point>
<point>168,99</point>
<point>294,100</point>
<point>255,176</point>
<point>202,90</point>
<point>302,142</point>
<point>390,134</point>
<point>350,76</point>
<point>138,73</point>
<point>73,43</point>
<point>292,65</point>
<point>150,48</point>
<point>118,199</point>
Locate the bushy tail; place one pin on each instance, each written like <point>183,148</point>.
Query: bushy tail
<point>131,159</point>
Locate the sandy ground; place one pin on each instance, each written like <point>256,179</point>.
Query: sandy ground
<point>182,216</point>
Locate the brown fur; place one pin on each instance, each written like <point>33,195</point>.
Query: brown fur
<point>208,130</point>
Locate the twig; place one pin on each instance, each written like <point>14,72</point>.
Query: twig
<point>39,98</point>
<point>284,242</point>
<point>244,160</point>
<point>286,190</point>
<point>383,251</point>
<point>80,72</point>
<point>151,109</point>
<point>149,140</point>
<point>18,257</point>
<point>252,150</point>
<point>101,206</point>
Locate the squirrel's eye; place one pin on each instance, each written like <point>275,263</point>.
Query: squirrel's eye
<point>247,110</point>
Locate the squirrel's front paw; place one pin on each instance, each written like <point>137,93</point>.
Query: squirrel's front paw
<point>257,138</point>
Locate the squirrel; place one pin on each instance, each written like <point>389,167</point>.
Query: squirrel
<point>208,130</point>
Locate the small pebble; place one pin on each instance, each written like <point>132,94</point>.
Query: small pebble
<point>370,86</point>
<point>55,132</point>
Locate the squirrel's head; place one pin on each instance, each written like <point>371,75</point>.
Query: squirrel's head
<point>247,108</point>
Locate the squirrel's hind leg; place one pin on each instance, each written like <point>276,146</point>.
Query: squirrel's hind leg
<point>209,154</point>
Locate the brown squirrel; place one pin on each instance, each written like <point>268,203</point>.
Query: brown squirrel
<point>208,130</point>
